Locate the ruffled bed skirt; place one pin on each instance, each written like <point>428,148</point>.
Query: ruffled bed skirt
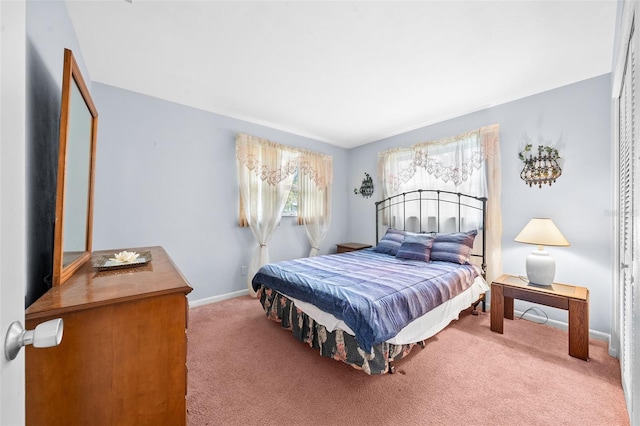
<point>336,344</point>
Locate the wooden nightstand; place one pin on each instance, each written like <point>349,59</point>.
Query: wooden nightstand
<point>346,247</point>
<point>568,297</point>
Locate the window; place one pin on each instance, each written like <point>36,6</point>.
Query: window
<point>467,163</point>
<point>265,170</point>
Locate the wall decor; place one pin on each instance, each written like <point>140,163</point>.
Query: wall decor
<point>366,188</point>
<point>542,168</point>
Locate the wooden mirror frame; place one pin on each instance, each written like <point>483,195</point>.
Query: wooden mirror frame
<point>71,76</point>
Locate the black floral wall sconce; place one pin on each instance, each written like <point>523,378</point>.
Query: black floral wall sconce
<point>366,188</point>
<point>540,169</point>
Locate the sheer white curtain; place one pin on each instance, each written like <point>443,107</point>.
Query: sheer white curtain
<point>315,179</point>
<point>468,163</point>
<point>265,173</point>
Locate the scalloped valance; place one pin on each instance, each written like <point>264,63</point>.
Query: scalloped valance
<point>453,159</point>
<point>273,162</point>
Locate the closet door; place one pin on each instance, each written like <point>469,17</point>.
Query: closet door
<point>626,132</point>
<point>627,323</point>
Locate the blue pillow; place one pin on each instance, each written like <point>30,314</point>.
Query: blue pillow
<point>391,242</point>
<point>454,248</point>
<point>416,247</point>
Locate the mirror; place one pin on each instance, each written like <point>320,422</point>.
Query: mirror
<point>76,164</point>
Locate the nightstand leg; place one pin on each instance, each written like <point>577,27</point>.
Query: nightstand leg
<point>497,308</point>
<point>508,307</point>
<point>579,329</point>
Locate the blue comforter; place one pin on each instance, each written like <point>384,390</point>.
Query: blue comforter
<point>375,294</point>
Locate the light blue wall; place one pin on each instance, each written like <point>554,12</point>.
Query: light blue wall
<point>50,31</point>
<point>166,175</point>
<point>577,120</point>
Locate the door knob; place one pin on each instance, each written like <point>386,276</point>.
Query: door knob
<point>45,335</point>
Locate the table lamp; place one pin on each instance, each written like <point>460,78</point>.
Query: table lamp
<point>541,268</point>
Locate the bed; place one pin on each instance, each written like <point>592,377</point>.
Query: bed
<point>370,308</point>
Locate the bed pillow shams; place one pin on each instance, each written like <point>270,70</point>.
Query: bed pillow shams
<point>391,242</point>
<point>416,247</point>
<point>454,248</point>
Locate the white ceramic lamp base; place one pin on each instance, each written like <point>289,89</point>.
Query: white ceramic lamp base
<point>541,268</point>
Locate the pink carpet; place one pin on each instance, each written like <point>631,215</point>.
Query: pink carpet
<point>245,370</point>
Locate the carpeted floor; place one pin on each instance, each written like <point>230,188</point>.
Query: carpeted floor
<point>245,370</point>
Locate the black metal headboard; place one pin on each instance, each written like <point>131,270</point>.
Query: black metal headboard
<point>427,210</point>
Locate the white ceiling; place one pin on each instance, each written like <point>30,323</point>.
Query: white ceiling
<point>346,73</point>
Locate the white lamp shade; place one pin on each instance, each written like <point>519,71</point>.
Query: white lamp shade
<point>543,232</point>
<point>541,268</point>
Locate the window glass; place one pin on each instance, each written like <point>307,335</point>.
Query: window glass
<point>291,206</point>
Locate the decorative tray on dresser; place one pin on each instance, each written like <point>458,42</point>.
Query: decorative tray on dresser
<point>122,359</point>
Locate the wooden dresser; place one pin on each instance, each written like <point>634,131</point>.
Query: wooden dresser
<point>122,359</point>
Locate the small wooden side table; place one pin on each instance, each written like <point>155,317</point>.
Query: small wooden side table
<point>568,297</point>
<point>346,247</point>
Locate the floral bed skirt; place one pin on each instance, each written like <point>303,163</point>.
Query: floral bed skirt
<point>336,344</point>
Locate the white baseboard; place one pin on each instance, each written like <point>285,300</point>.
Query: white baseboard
<point>214,299</point>
<point>594,334</point>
